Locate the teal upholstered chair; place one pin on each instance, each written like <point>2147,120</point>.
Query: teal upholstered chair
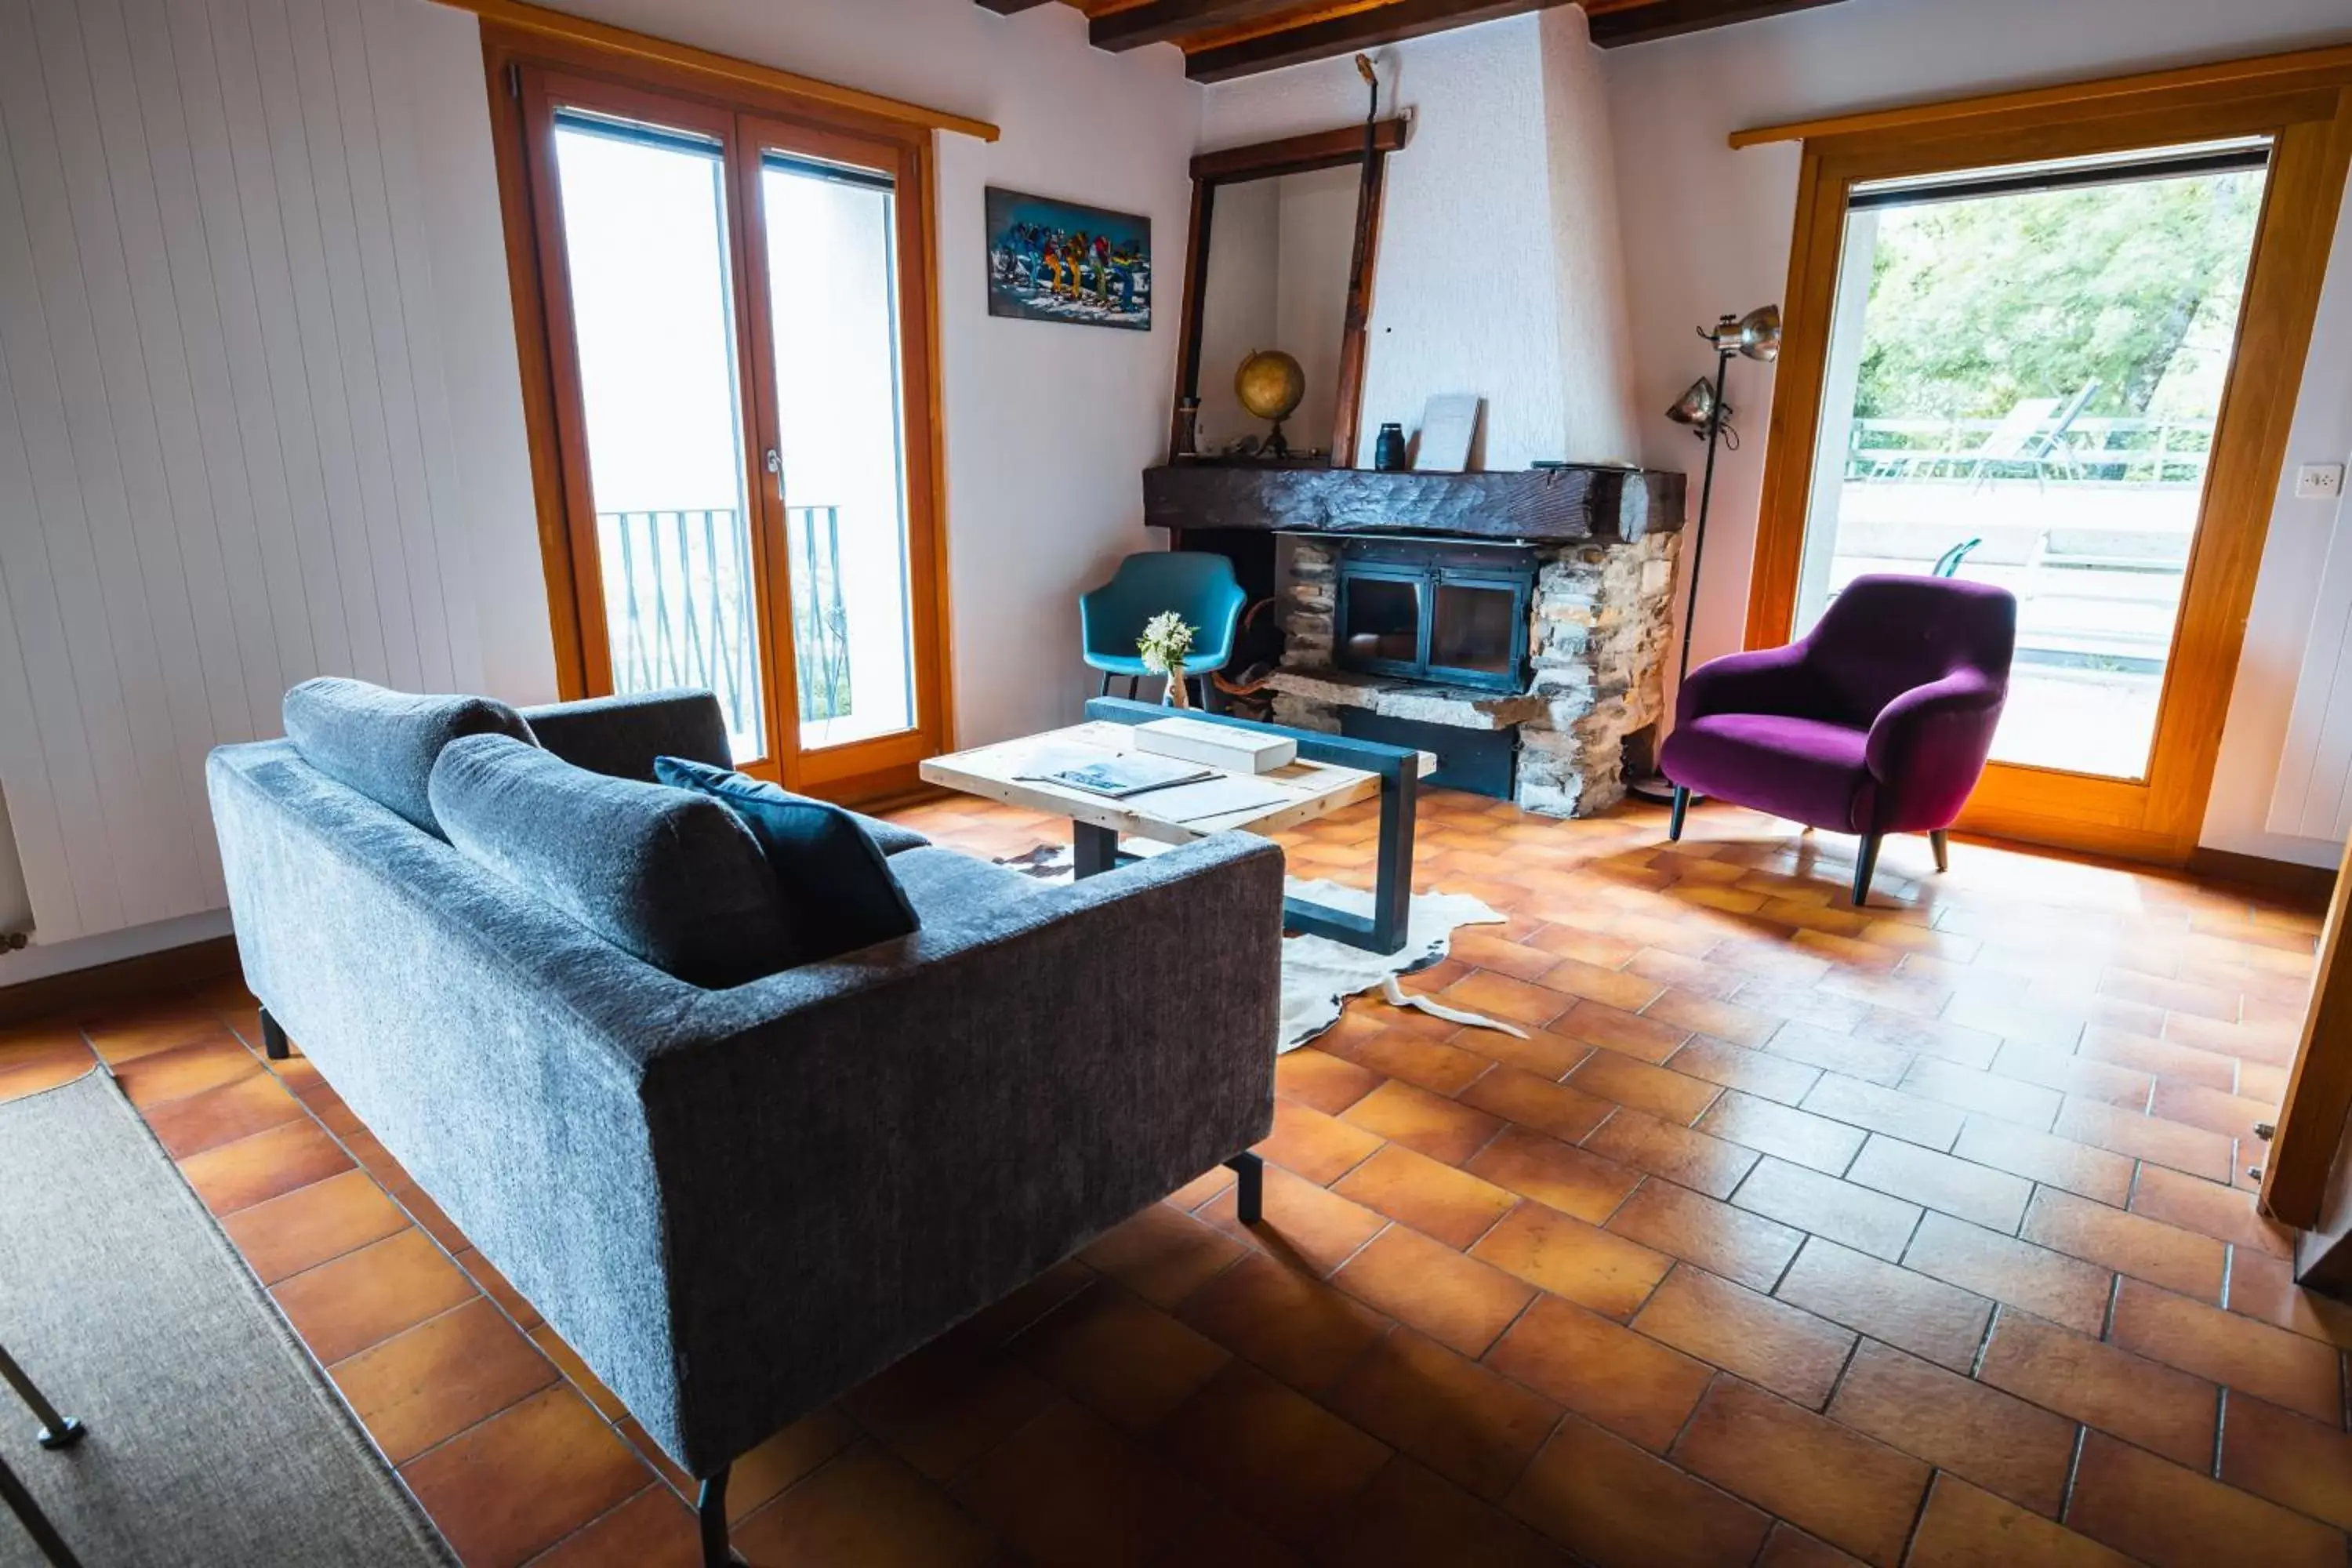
<point>1196,584</point>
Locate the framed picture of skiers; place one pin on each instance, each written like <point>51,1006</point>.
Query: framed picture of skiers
<point>1052,260</point>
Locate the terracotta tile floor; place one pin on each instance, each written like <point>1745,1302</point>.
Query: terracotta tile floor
<point>1790,1234</point>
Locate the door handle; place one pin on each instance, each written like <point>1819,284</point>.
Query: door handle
<point>774,463</point>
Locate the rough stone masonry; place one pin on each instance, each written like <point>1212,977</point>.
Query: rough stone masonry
<point>1600,622</point>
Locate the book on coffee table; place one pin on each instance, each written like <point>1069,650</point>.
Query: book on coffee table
<point>1116,775</point>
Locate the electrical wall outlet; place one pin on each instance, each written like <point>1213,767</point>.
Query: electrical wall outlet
<point>2319,481</point>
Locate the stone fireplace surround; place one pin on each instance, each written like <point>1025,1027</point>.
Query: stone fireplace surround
<point>1605,541</point>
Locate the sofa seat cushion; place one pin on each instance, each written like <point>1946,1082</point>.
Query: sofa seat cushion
<point>383,743</point>
<point>834,885</point>
<point>1807,769</point>
<point>948,885</point>
<point>668,875</point>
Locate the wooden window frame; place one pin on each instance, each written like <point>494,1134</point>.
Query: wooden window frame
<point>861,770</point>
<point>2305,102</point>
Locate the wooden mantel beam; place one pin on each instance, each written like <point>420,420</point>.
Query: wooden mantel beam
<point>1389,24</point>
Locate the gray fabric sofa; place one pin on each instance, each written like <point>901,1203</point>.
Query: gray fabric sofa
<point>739,1203</point>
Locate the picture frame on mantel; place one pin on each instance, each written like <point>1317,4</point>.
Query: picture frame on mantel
<point>1449,427</point>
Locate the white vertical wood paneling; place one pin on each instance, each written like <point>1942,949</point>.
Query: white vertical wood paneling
<point>2313,796</point>
<point>226,461</point>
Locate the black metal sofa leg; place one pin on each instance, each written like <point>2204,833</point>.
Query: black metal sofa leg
<point>1682,809</point>
<point>1249,1188</point>
<point>273,1038</point>
<point>1865,864</point>
<point>710,1511</point>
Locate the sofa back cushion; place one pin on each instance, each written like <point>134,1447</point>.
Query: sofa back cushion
<point>833,881</point>
<point>665,874</point>
<point>383,743</point>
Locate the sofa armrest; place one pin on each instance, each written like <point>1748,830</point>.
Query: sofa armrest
<point>855,1155</point>
<point>1761,680</point>
<point>621,736</point>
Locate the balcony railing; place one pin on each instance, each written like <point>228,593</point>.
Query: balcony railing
<point>2170,452</point>
<point>681,608</point>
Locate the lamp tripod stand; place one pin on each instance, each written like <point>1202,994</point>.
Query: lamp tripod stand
<point>1756,336</point>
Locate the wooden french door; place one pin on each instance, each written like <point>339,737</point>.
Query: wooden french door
<point>736,313</point>
<point>2128,508</point>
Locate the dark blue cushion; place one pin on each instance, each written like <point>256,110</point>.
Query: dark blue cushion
<point>837,889</point>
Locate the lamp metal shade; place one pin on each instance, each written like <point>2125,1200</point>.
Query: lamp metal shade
<point>1760,333</point>
<point>1694,408</point>
<point>1755,334</point>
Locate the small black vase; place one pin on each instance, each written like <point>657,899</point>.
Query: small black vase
<point>1388,451</point>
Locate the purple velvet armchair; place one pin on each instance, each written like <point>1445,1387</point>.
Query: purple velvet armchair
<point>1875,722</point>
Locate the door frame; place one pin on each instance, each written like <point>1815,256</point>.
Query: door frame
<point>856,771</point>
<point>2305,103</point>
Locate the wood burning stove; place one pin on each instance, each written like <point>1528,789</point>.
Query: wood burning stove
<point>1435,610</point>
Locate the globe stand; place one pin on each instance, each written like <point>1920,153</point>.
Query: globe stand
<point>1276,446</point>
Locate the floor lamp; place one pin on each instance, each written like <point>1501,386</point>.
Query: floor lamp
<point>1756,336</point>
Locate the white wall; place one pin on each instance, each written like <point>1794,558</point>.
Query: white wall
<point>239,273</point>
<point>1707,230</point>
<point>1498,268</point>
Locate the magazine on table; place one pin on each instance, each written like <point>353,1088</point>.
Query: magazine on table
<point>1116,775</point>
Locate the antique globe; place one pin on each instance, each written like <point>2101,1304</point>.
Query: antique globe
<point>1269,384</point>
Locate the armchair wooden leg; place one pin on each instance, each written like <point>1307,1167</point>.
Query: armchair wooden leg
<point>273,1038</point>
<point>1865,864</point>
<point>1249,1190</point>
<point>1940,842</point>
<point>1682,808</point>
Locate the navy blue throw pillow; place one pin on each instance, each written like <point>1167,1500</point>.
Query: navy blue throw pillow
<point>836,887</point>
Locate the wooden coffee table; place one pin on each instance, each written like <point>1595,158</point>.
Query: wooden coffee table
<point>1332,772</point>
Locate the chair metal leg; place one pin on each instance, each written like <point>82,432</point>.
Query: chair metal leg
<point>1681,807</point>
<point>36,1524</point>
<point>56,1431</point>
<point>1940,842</point>
<point>1106,685</point>
<point>710,1512</point>
<point>273,1038</point>
<point>1249,1188</point>
<point>1865,864</point>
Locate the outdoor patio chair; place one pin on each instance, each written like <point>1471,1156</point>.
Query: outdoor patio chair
<point>2020,438</point>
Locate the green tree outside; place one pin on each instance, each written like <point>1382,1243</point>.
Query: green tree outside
<point>1978,305</point>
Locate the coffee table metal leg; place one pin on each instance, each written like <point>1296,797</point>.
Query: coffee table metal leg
<point>1093,850</point>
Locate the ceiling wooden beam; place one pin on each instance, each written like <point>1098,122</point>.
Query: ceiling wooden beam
<point>1389,24</point>
<point>1010,7</point>
<point>1171,21</point>
<point>1640,23</point>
